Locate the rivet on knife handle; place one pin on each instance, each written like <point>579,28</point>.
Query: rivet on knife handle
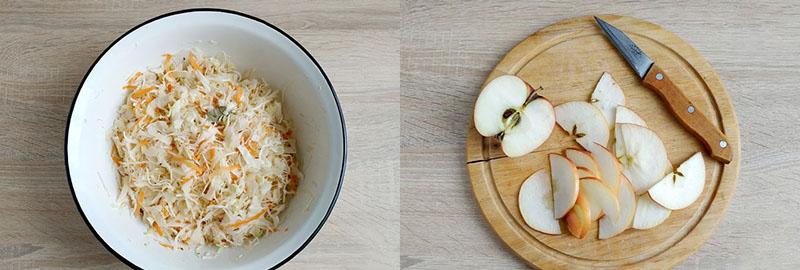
<point>683,109</point>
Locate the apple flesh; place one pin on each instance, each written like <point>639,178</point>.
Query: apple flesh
<point>681,188</point>
<point>584,122</point>
<point>611,226</point>
<point>509,109</point>
<point>598,194</point>
<point>607,96</point>
<point>583,172</point>
<point>564,178</point>
<point>583,159</point>
<point>608,166</point>
<point>627,116</point>
<point>579,218</point>
<point>649,213</point>
<point>642,155</point>
<point>536,203</point>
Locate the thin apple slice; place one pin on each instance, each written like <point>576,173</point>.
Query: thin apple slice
<point>681,188</point>
<point>612,226</point>
<point>583,172</point>
<point>578,218</point>
<point>583,121</point>
<point>536,203</point>
<point>535,125</point>
<point>508,108</point>
<point>649,213</point>
<point>643,156</point>
<point>608,165</point>
<point>627,116</point>
<point>598,194</point>
<point>583,159</point>
<point>564,178</point>
<point>607,96</point>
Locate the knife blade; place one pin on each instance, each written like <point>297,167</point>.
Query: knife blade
<point>655,78</point>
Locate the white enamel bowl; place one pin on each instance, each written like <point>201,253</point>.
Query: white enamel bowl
<point>252,44</point>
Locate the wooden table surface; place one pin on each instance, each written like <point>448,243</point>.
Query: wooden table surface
<point>449,49</point>
<point>407,74</point>
<point>47,47</point>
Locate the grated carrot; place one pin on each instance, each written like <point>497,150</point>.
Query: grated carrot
<point>248,220</point>
<point>164,212</point>
<point>194,63</point>
<point>166,245</point>
<point>211,153</point>
<point>135,76</point>
<point>142,92</point>
<point>115,156</point>
<point>238,96</point>
<point>158,229</point>
<point>129,87</point>
<point>167,61</point>
<point>169,88</point>
<point>139,200</point>
<point>185,180</point>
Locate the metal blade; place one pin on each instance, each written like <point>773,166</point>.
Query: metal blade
<point>635,57</point>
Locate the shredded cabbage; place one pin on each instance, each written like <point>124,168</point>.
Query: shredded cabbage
<point>205,154</point>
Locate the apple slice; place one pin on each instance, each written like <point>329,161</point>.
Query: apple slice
<point>578,218</point>
<point>598,194</point>
<point>648,213</point>
<point>642,155</point>
<point>628,116</point>
<point>509,109</point>
<point>536,203</point>
<point>608,165</point>
<point>681,188</point>
<point>583,172</point>
<point>564,178</point>
<point>583,159</point>
<point>607,96</point>
<point>612,226</point>
<point>583,121</point>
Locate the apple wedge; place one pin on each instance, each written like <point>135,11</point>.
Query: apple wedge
<point>608,165</point>
<point>599,195</point>
<point>583,159</point>
<point>607,96</point>
<point>611,226</point>
<point>579,218</point>
<point>648,213</point>
<point>682,187</point>
<point>509,109</point>
<point>564,178</point>
<point>584,122</point>
<point>536,203</point>
<point>583,172</point>
<point>642,155</point>
<point>627,116</point>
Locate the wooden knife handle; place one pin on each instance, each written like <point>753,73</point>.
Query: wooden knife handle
<point>693,120</point>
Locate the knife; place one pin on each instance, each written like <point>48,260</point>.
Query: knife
<point>656,79</point>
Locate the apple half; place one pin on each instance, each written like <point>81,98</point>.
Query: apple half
<point>642,155</point>
<point>599,197</point>
<point>584,122</point>
<point>583,159</point>
<point>608,164</point>
<point>564,179</point>
<point>536,203</point>
<point>611,226</point>
<point>682,187</point>
<point>607,96</point>
<point>579,218</point>
<point>509,109</point>
<point>649,213</point>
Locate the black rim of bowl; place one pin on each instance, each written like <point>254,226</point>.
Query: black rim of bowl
<point>328,81</point>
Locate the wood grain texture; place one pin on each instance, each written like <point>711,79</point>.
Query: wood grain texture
<point>449,48</point>
<point>47,47</point>
<point>578,47</point>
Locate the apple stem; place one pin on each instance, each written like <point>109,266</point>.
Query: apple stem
<point>533,96</point>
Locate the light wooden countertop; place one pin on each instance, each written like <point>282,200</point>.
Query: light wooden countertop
<point>407,74</point>
<point>449,49</point>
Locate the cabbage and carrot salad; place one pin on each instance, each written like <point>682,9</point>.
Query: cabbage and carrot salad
<point>205,154</point>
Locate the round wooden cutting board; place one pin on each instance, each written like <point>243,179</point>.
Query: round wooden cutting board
<point>566,59</point>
